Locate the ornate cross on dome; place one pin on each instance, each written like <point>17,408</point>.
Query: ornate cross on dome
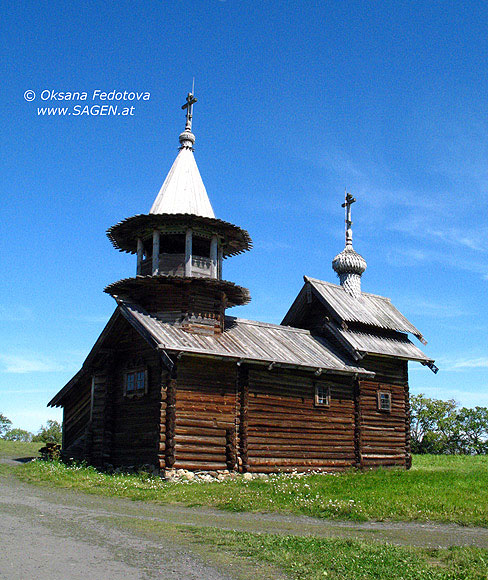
<point>190,100</point>
<point>347,204</point>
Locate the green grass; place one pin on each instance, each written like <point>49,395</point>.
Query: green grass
<point>18,449</point>
<point>311,558</point>
<point>314,558</point>
<point>437,488</point>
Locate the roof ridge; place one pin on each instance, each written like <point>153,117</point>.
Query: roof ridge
<point>267,324</point>
<point>310,279</point>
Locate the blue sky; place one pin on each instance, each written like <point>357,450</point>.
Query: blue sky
<point>296,101</point>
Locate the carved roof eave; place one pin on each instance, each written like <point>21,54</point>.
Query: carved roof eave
<point>236,295</point>
<point>124,234</point>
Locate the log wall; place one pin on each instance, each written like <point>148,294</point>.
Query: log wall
<point>384,436</point>
<point>383,433</point>
<point>206,414</point>
<point>211,415</point>
<point>134,421</point>
<point>285,429</point>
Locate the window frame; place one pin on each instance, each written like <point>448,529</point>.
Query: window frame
<point>325,396</point>
<point>381,393</point>
<point>135,392</point>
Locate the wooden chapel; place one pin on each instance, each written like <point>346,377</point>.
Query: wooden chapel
<point>174,382</point>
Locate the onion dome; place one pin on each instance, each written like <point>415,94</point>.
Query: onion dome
<point>349,265</point>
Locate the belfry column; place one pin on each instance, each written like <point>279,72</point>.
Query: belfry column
<point>214,257</point>
<point>155,256</point>
<point>140,256</point>
<point>188,252</point>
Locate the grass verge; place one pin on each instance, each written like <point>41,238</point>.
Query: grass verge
<point>315,558</point>
<point>310,558</point>
<point>19,449</point>
<point>444,489</point>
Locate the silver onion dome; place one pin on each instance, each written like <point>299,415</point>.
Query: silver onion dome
<point>349,262</point>
<point>349,265</point>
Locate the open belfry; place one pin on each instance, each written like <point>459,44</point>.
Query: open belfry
<point>174,382</point>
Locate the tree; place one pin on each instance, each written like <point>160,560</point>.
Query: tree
<point>51,433</point>
<point>4,425</point>
<point>473,430</point>
<point>440,427</point>
<point>18,435</point>
<point>433,425</point>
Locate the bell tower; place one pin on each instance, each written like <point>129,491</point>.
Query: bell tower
<point>180,246</point>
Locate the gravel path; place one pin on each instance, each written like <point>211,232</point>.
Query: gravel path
<point>42,537</point>
<point>57,534</point>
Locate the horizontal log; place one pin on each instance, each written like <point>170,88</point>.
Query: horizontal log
<point>302,446</point>
<point>302,411</point>
<point>182,455</point>
<point>184,421</point>
<point>290,435</point>
<point>369,456</point>
<point>338,454</point>
<point>202,448</point>
<point>198,431</point>
<point>299,441</point>
<point>284,462</point>
<point>199,465</point>
<point>272,422</point>
<point>200,439</point>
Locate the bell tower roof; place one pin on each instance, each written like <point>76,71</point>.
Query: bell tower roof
<point>180,246</point>
<point>183,191</point>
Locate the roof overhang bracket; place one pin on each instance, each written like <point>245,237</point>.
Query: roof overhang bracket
<point>168,363</point>
<point>431,366</point>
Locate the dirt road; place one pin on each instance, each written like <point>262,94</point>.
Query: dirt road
<point>59,534</point>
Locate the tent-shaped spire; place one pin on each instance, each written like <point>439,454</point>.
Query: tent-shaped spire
<point>183,191</point>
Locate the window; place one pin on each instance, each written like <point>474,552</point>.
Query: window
<point>201,247</point>
<point>172,243</point>
<point>322,395</point>
<point>384,401</point>
<point>136,382</point>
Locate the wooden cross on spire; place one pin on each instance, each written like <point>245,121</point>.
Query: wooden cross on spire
<point>190,100</point>
<point>347,204</point>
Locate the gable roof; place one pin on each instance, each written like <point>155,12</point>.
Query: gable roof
<point>361,325</point>
<point>369,309</point>
<point>245,340</point>
<point>242,340</point>
<point>362,343</point>
<point>183,191</point>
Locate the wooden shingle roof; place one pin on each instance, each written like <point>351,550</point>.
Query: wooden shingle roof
<point>368,309</point>
<point>245,340</point>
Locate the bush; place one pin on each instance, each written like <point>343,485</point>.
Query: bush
<point>51,433</point>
